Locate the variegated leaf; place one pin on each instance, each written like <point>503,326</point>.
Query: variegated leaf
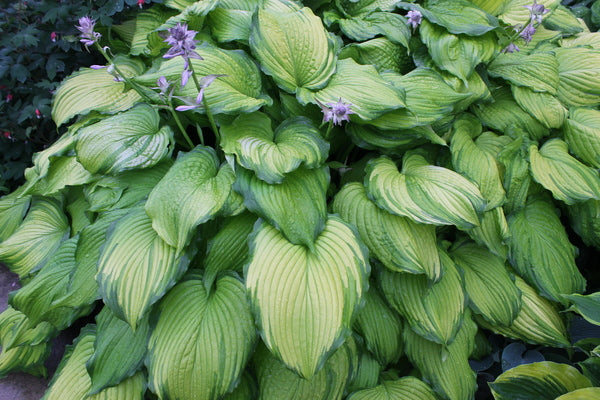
<point>582,133</point>
<point>408,387</point>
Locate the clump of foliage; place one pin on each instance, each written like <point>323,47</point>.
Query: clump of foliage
<point>335,199</point>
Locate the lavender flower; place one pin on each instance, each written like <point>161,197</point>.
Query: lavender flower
<point>336,112</point>
<point>163,86</point>
<point>528,33</point>
<point>86,27</point>
<point>537,11</point>
<point>511,48</point>
<point>204,83</point>
<point>181,40</point>
<point>414,18</point>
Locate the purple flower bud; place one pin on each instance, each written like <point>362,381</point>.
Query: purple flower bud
<point>511,48</point>
<point>86,27</point>
<point>537,11</point>
<point>414,18</point>
<point>528,33</point>
<point>204,83</point>
<point>96,66</point>
<point>336,112</point>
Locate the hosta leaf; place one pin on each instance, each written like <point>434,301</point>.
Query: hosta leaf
<point>458,55</point>
<point>492,232</point>
<point>545,107</point>
<point>579,76</point>
<point>399,243</point>
<point>36,239</point>
<point>125,141</point>
<point>581,394</point>
<point>425,193</point>
<point>229,25</point>
<point>538,321</point>
<point>541,253</point>
<point>493,7</point>
<point>239,91</point>
<point>408,387</point>
<point>277,382</point>
<point>458,16</point>
<point>564,20</point>
<point>195,351</point>
<point>434,311</point>
<point>382,53</point>
<point>293,47</point>
<point>72,381</point>
<point>62,172</point>
<point>367,26</point>
<point>588,306</point>
<point>304,299</point>
<point>514,11</point>
<point>247,389</point>
<point>42,160</point>
<point>490,288</point>
<point>12,211</point>
<point>583,39</point>
<point>136,267</point>
<point>568,179</point>
<point>582,133</point>
<point>544,380</point>
<point>95,90</point>
<point>28,359</point>
<point>367,372</point>
<point>17,329</point>
<point>538,71</point>
<point>146,41</point>
<point>585,220</point>
<point>361,7</point>
<point>273,154</point>
<point>297,206</point>
<point>361,86</point>
<point>380,327</point>
<point>118,351</point>
<point>192,192</point>
<point>517,178</point>
<point>36,298</point>
<point>475,163</point>
<point>228,249</point>
<point>446,368</point>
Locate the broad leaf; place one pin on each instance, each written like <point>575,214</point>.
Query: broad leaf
<point>581,394</point>
<point>538,71</point>
<point>588,306</point>
<point>585,220</point>
<point>367,26</point>
<point>297,206</point>
<point>17,329</point>
<point>273,154</point>
<point>367,373</point>
<point>538,381</point>
<point>192,192</point>
<point>37,238</point>
<point>489,286</point>
<point>514,11</point>
<point>425,193</point>
<point>579,76</point>
<point>13,209</point>
<point>407,387</point>
<point>399,243</point>
<point>28,359</point>
<point>433,311</point>
<point>146,40</point>
<point>492,232</point>
<point>568,179</point>
<point>125,141</point>
<point>380,52</point>
<point>95,90</point>
<point>545,107</point>
<point>195,351</point>
<point>62,172</point>
<point>362,7</point>
<point>136,267</point>
<point>304,299</point>
<point>293,47</point>
<point>582,133</point>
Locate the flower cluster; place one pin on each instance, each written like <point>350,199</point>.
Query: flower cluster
<point>336,112</point>
<point>88,35</point>
<point>181,40</point>
<point>414,18</point>
<point>536,14</point>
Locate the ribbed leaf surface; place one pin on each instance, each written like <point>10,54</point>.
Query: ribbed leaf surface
<point>582,133</point>
<point>202,341</point>
<point>492,232</point>
<point>408,388</point>
<point>579,76</point>
<point>538,71</point>
<point>588,306</point>
<point>585,220</point>
<point>136,267</point>
<point>16,329</point>
<point>545,107</point>
<point>192,192</point>
<point>399,243</point>
<point>581,394</point>
<point>12,211</point>
<point>304,299</point>
<point>425,193</point>
<point>459,16</point>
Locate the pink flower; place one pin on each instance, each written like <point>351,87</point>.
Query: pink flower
<point>9,98</point>
<point>38,113</point>
<point>53,36</point>
<point>7,135</point>
<point>140,3</point>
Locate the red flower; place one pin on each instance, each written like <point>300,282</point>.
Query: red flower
<point>7,135</point>
<point>9,97</point>
<point>140,3</point>
<point>38,113</point>
<point>53,36</point>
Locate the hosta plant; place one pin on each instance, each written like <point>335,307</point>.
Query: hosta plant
<point>268,199</point>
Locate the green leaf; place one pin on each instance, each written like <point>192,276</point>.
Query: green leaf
<point>381,327</point>
<point>492,232</point>
<point>407,387</point>
<point>367,373</point>
<point>493,7</point>
<point>13,209</point>
<point>489,286</point>
<point>568,179</point>
<point>367,26</point>
<point>579,76</point>
<point>543,106</point>
<point>293,47</point>
<point>588,306</point>
<point>474,162</point>
<point>230,25</point>
<point>17,329</point>
<point>37,238</point>
<point>71,380</point>
<point>118,351</point>
<point>433,310</point>
<point>382,53</point>
<point>304,299</point>
<point>239,91</point>
<point>399,243</point>
<point>537,71</point>
<point>581,394</point>
<point>458,55</point>
<point>36,298</point>
<point>62,172</point>
<point>146,40</point>
<point>136,267</point>
<point>538,321</point>
<point>361,86</point>
<point>541,253</point>
<point>273,154</point>
<point>425,193</point>
<point>517,179</point>
<point>95,90</point>
<point>514,11</point>
<point>564,20</point>
<point>446,368</point>
<point>195,351</point>
<point>28,359</point>
<point>192,192</point>
<point>297,206</point>
<point>277,382</point>
<point>585,220</point>
<point>361,7</point>
<point>582,133</point>
<point>538,381</point>
<point>129,140</point>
